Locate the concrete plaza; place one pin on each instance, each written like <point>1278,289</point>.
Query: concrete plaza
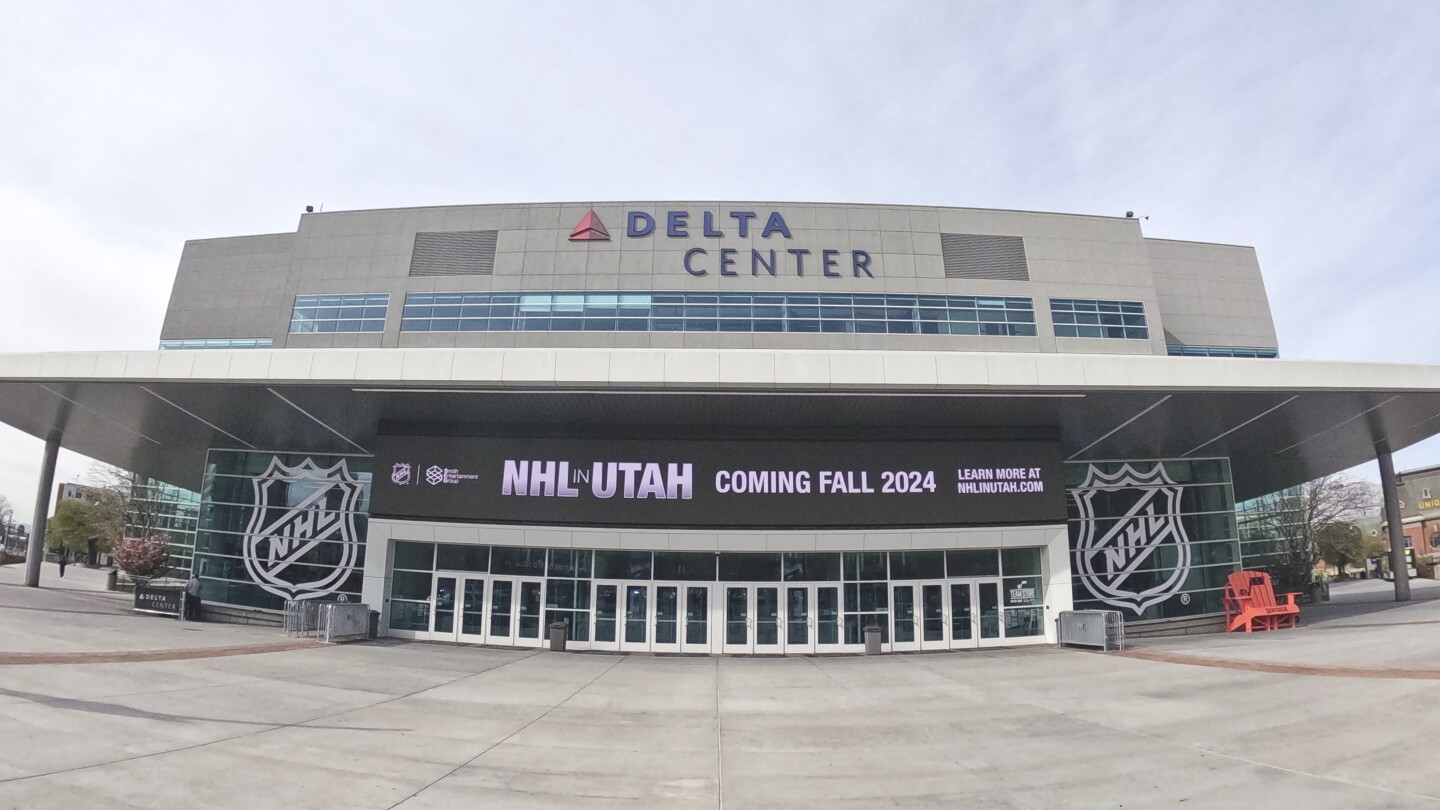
<point>416,725</point>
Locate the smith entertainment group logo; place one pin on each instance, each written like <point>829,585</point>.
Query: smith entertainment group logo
<point>434,475</point>
<point>283,543</point>
<point>1108,563</point>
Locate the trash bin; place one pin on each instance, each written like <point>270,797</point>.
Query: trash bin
<point>557,636</point>
<point>872,640</point>
<point>110,579</point>
<point>374,629</point>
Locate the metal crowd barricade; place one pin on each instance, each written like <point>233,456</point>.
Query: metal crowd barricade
<point>302,618</point>
<point>343,621</point>
<point>1100,629</point>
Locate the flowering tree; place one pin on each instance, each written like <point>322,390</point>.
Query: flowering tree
<point>143,557</point>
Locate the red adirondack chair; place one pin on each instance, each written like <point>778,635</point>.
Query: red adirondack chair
<point>1250,603</point>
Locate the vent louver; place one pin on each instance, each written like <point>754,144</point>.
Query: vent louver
<point>453,253</point>
<point>998,258</point>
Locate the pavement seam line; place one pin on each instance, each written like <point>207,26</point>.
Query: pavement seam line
<point>19,659</point>
<point>719,743</point>
<point>1212,752</point>
<point>437,780</point>
<point>257,732</point>
<point>864,698</point>
<point>1376,673</point>
<point>1238,758</point>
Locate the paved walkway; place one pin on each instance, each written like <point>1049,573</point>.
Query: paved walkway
<point>386,725</point>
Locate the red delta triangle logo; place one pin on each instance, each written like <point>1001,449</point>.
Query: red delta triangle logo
<point>590,229</point>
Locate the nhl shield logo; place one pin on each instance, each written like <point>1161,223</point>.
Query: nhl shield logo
<point>303,523</point>
<point>400,473</point>
<point>1119,566</point>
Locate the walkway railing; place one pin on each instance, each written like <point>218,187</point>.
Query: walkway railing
<point>1101,629</point>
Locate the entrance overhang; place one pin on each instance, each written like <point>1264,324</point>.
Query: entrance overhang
<point>1280,422</point>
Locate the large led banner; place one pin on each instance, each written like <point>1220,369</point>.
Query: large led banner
<point>719,484</point>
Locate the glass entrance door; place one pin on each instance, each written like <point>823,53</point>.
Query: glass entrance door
<point>812,618</point>
<point>514,612</point>
<point>635,627</point>
<point>904,617</point>
<point>753,619</point>
<point>739,624</point>
<point>987,612</point>
<point>799,619</point>
<point>695,636</point>
<point>768,637</point>
<point>680,617</point>
<point>974,608</point>
<point>442,609</point>
<point>605,634</point>
<point>625,615</point>
<point>828,637</point>
<point>962,615</point>
<point>931,624</point>
<point>528,609</point>
<point>500,629</point>
<point>471,624</point>
<point>937,615</point>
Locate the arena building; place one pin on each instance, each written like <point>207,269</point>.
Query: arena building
<point>703,427</point>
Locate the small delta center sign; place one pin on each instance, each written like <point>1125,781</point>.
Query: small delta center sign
<point>786,258</point>
<point>718,484</point>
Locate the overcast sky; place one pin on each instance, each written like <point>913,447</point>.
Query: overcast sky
<point>1306,129</point>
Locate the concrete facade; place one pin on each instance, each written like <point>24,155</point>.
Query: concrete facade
<point>245,287</point>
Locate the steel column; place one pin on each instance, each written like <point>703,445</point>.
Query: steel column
<point>36,551</point>
<point>1394,522</point>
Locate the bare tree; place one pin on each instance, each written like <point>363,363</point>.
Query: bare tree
<point>116,506</point>
<point>1295,520</point>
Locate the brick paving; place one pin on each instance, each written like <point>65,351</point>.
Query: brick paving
<point>132,656</point>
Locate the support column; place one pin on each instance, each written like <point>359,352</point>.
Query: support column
<point>36,552</point>
<point>1393,521</point>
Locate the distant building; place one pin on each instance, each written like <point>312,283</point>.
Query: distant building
<point>74,492</point>
<point>1420,509</point>
<point>15,537</point>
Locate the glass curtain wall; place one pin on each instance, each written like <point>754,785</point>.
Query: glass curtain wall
<point>280,526</point>
<point>1153,539</point>
<point>865,578</point>
<point>158,508</point>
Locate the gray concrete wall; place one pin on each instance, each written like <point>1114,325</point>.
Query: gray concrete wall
<point>1211,295</point>
<point>245,286</point>
<point>232,288</point>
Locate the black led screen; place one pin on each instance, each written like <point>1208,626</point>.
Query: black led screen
<point>719,484</point>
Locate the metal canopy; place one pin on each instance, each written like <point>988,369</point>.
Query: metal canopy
<point>160,421</point>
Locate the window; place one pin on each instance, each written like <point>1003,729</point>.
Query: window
<point>567,592</point>
<point>917,565</point>
<point>749,567</point>
<point>623,565</point>
<point>217,343</point>
<point>1218,351</point>
<point>972,563</point>
<point>449,557</point>
<point>865,313</point>
<point>812,567</point>
<point>1080,317</point>
<point>339,313</point>
<point>518,561</point>
<point>688,566</point>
